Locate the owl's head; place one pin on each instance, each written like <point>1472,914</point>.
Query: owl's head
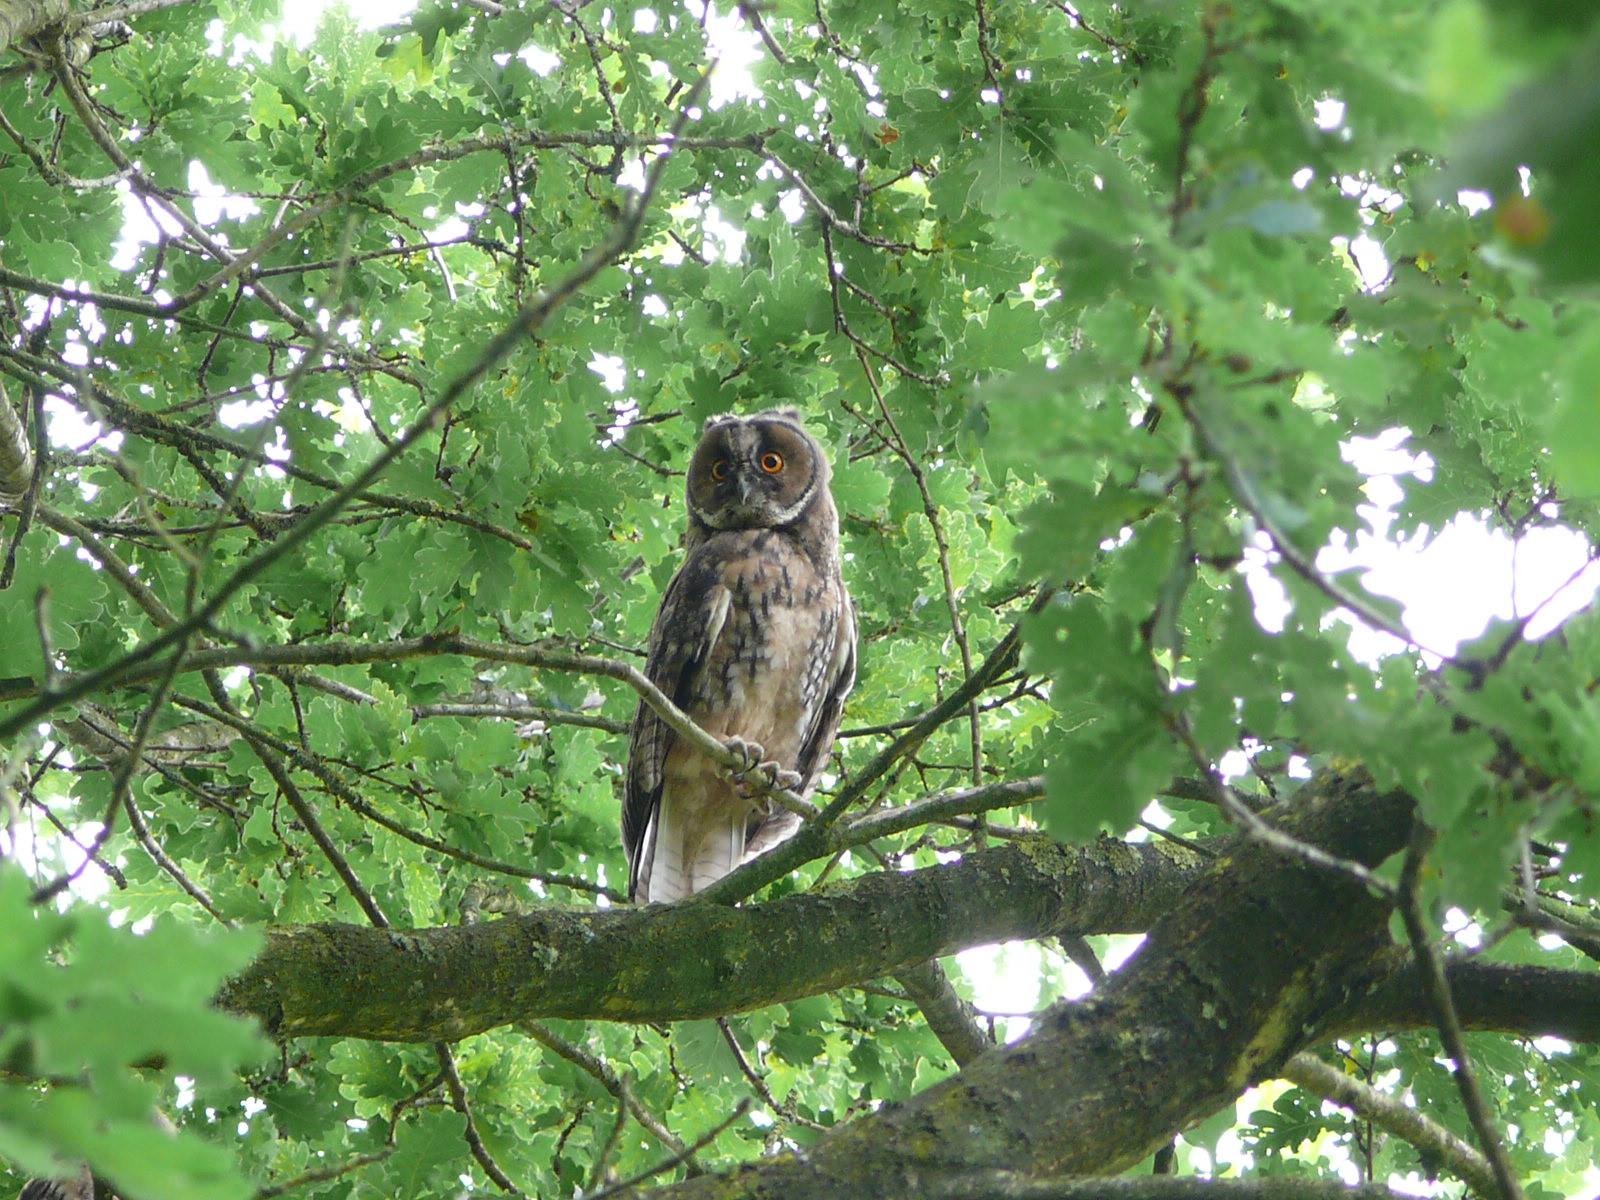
<point>755,472</point>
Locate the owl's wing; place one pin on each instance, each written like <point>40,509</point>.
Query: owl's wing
<point>79,1188</point>
<point>692,615</point>
<point>825,715</point>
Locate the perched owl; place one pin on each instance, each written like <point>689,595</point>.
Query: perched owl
<point>81,1187</point>
<point>756,640</point>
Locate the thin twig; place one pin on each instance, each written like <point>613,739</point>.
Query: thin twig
<point>308,819</point>
<point>842,323</point>
<point>612,1082</point>
<point>930,510</point>
<point>1514,637</point>
<point>1392,1114</point>
<point>752,13</point>
<point>1020,686</point>
<point>323,1174</point>
<point>782,1111</point>
<point>520,712</point>
<point>319,766</point>
<point>814,839</point>
<point>1110,43</point>
<point>110,868</point>
<point>1244,491</point>
<point>825,210</point>
<point>602,1161</point>
<point>162,859</point>
<point>991,64</point>
<point>122,778</point>
<point>1192,106</point>
<point>516,332</point>
<point>148,192</point>
<point>1437,988</point>
<point>1255,827</point>
<point>463,1105</point>
<point>667,1164</point>
<point>349,653</point>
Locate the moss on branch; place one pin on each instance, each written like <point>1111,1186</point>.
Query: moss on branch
<point>697,959</point>
<point>1230,984</point>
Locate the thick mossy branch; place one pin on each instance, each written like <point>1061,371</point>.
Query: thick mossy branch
<point>1265,955</point>
<point>693,960</point>
<point>1516,998</point>
<point>671,962</point>
<point>1229,985</point>
<point>22,19</point>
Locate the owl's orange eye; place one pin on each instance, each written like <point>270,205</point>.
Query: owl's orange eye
<point>772,462</point>
<point>719,470</point>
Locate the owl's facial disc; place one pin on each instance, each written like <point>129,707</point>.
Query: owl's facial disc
<point>753,474</point>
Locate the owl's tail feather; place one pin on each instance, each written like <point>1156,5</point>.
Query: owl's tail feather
<point>718,854</point>
<point>677,869</point>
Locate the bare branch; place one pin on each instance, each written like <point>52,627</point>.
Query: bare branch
<point>612,1082</point>
<point>949,1016</point>
<point>667,1164</point>
<point>1437,988</point>
<point>1244,491</point>
<point>930,510</point>
<point>1391,1113</point>
<point>459,1099</point>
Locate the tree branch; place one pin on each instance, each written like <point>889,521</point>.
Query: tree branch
<point>515,333</point>
<point>1390,1113</point>
<point>947,1014</point>
<point>672,962</point>
<point>1007,1185</point>
<point>1225,989</point>
<point>1432,973</point>
<point>612,1082</point>
<point>22,20</point>
<point>16,454</point>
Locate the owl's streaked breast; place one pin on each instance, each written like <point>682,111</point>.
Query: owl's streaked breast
<point>765,673</point>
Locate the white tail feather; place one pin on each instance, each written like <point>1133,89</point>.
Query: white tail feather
<point>719,853</point>
<point>674,870</point>
<point>664,878</point>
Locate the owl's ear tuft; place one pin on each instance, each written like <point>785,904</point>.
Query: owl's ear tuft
<point>718,420</point>
<point>787,411</point>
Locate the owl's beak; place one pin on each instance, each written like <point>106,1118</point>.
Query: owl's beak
<point>744,489</point>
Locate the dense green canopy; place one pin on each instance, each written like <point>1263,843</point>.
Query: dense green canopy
<point>347,380</point>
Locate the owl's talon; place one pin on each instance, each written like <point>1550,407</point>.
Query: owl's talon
<point>750,754</point>
<point>753,763</point>
<point>781,778</point>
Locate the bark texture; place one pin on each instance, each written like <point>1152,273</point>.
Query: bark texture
<point>688,961</point>
<point>697,959</point>
<point>1229,985</point>
<point>22,19</point>
<point>1502,997</point>
<point>16,455</point>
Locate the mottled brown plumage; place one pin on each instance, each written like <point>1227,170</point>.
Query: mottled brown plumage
<point>755,640</point>
<point>79,1187</point>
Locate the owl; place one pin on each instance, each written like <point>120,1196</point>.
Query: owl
<point>756,640</point>
<point>80,1187</point>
